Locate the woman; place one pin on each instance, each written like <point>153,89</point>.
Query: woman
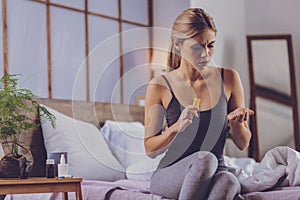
<point>193,166</point>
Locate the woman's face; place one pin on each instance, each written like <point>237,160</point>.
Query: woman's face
<point>198,51</point>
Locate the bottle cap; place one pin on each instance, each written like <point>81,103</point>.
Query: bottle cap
<point>50,161</point>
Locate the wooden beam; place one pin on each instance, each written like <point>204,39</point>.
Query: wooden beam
<point>294,101</point>
<point>273,95</point>
<point>5,43</point>
<point>253,150</point>
<point>121,52</point>
<point>87,51</point>
<point>49,56</point>
<point>150,24</point>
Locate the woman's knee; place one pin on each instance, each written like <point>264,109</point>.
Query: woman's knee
<point>204,161</point>
<point>207,159</point>
<point>224,186</point>
<point>228,179</point>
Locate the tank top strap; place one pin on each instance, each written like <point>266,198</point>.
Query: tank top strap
<point>222,73</point>
<point>169,85</point>
<point>222,82</point>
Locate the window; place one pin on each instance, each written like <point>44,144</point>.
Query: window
<point>94,50</point>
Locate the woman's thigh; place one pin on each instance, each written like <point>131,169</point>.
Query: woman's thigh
<point>168,181</point>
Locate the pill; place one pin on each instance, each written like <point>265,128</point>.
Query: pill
<point>196,102</point>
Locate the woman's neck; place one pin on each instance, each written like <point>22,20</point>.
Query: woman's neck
<point>191,74</point>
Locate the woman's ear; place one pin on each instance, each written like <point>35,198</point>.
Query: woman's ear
<point>178,44</point>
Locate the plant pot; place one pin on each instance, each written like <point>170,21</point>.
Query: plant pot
<point>11,167</point>
<point>18,166</point>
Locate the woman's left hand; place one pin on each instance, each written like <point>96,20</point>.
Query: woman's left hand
<point>239,115</point>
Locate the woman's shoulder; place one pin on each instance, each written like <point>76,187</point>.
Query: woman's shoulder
<point>163,78</point>
<point>231,79</point>
<point>159,83</point>
<point>158,79</point>
<point>156,89</point>
<point>230,74</point>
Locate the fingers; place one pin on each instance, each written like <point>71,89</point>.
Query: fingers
<point>191,112</point>
<point>186,117</point>
<point>243,117</point>
<point>251,112</point>
<point>190,115</point>
<point>240,114</point>
<point>246,116</point>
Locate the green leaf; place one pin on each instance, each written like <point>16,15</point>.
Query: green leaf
<point>15,105</point>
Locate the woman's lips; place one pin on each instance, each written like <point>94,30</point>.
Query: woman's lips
<point>203,63</point>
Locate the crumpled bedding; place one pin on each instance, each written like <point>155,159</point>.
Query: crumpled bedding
<point>280,167</point>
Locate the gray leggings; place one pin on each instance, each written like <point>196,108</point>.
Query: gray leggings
<point>193,178</point>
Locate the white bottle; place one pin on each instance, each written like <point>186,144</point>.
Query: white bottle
<point>62,167</point>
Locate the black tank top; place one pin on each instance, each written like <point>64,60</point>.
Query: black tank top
<point>206,133</point>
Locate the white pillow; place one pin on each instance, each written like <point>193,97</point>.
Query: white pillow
<point>88,154</point>
<point>125,140</point>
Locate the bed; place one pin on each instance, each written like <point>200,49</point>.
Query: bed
<point>104,144</point>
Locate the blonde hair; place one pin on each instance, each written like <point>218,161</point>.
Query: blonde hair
<point>188,24</point>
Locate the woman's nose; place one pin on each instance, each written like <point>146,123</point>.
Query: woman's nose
<point>204,52</point>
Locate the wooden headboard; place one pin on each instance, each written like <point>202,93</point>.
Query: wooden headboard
<point>92,112</point>
<point>95,112</point>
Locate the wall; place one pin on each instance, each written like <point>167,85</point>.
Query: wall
<point>164,14</point>
<point>166,11</point>
<point>276,17</point>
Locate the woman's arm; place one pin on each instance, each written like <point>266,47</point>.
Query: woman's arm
<point>238,114</point>
<point>155,141</point>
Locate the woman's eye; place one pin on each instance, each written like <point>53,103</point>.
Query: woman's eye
<point>197,47</point>
<point>211,46</point>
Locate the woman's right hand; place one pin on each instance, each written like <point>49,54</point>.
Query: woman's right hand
<point>186,117</point>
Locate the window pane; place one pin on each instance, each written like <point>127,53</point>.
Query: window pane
<point>135,10</point>
<point>136,62</point>
<point>106,84</point>
<point>79,4</point>
<point>27,49</point>
<point>104,7</point>
<point>104,59</point>
<point>68,53</point>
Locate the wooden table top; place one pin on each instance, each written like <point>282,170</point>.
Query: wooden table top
<point>37,180</point>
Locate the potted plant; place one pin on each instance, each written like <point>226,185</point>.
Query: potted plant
<point>16,105</point>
